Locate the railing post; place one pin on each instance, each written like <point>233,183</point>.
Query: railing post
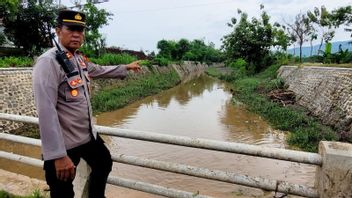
<point>81,181</point>
<point>334,177</point>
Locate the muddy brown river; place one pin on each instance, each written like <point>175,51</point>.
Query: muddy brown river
<point>201,108</point>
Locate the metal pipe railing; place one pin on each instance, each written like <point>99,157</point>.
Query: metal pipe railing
<point>20,139</point>
<point>132,184</point>
<point>231,147</point>
<point>239,148</point>
<point>256,182</point>
<point>233,178</point>
<point>152,188</point>
<point>22,159</point>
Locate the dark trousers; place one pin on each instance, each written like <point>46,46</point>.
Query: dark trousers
<point>97,157</point>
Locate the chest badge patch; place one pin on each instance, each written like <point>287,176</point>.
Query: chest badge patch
<point>74,92</point>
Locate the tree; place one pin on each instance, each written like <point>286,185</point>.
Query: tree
<point>281,39</point>
<point>322,20</point>
<point>251,40</point>
<point>196,50</point>
<point>300,29</point>
<point>342,16</point>
<point>312,36</point>
<point>8,7</point>
<point>182,46</point>
<point>95,19</point>
<point>36,19</point>
<point>166,48</point>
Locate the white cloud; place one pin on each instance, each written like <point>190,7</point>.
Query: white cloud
<point>139,24</point>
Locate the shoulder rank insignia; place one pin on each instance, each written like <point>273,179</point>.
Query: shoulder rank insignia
<point>86,59</point>
<point>69,55</point>
<point>82,64</point>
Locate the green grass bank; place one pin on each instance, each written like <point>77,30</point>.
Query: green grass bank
<point>35,194</point>
<point>112,98</point>
<point>305,131</point>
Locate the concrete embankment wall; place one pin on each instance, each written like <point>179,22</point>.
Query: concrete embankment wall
<point>325,91</point>
<point>16,96</point>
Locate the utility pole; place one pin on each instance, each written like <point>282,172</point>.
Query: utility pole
<point>79,5</point>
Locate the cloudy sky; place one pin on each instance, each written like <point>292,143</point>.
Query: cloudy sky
<point>140,24</point>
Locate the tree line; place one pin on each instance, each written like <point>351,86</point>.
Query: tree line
<point>250,45</point>
<point>195,50</point>
<point>254,40</point>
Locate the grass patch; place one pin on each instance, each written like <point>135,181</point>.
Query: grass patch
<point>35,194</point>
<point>307,64</point>
<point>306,131</point>
<point>212,71</point>
<point>113,59</point>
<point>27,130</point>
<point>12,61</point>
<point>110,99</point>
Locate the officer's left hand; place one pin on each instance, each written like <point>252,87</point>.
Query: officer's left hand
<point>134,66</point>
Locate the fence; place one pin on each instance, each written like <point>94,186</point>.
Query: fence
<point>333,163</point>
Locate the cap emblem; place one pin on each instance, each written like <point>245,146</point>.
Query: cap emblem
<point>78,17</point>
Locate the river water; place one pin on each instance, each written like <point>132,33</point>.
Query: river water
<point>201,108</point>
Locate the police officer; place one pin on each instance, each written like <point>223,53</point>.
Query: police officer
<point>65,114</point>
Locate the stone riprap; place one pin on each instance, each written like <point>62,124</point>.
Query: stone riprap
<point>325,91</point>
<point>16,95</point>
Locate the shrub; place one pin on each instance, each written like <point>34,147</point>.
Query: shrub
<point>281,58</point>
<point>147,63</point>
<point>240,65</point>
<point>16,62</point>
<point>161,61</point>
<point>277,83</point>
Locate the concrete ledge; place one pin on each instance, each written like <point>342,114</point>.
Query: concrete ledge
<point>334,178</point>
<point>13,69</point>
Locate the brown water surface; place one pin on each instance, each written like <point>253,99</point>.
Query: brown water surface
<point>21,168</point>
<point>201,108</point>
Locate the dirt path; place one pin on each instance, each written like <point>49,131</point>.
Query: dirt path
<point>21,185</point>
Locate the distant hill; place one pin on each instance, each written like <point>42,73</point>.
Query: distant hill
<point>335,48</point>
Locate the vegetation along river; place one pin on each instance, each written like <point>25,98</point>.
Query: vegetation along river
<point>200,108</point>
